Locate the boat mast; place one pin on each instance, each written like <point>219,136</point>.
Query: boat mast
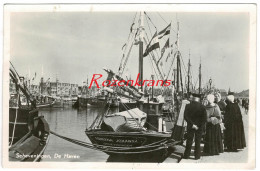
<point>178,59</point>
<point>141,37</point>
<point>178,71</point>
<point>188,88</point>
<point>152,86</point>
<point>200,77</point>
<point>178,76</point>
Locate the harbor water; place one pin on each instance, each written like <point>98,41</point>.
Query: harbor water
<point>71,123</point>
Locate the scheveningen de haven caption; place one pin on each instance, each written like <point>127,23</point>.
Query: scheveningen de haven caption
<point>137,86</point>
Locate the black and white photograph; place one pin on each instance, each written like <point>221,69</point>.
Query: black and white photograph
<point>166,84</point>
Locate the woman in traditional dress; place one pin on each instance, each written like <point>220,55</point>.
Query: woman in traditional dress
<point>234,133</point>
<point>221,104</point>
<point>213,139</point>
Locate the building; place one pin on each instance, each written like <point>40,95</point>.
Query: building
<point>73,89</point>
<point>63,89</point>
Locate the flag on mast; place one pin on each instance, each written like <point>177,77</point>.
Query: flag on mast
<point>164,32</point>
<point>166,45</point>
<point>153,44</point>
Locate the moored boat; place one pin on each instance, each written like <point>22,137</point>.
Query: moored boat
<point>126,134</point>
<point>28,132</point>
<point>131,133</point>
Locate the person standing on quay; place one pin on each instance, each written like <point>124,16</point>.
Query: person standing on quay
<point>213,138</point>
<point>243,102</point>
<point>246,105</point>
<point>196,117</point>
<point>221,104</point>
<point>234,133</point>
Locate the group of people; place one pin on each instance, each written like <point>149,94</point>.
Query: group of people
<point>219,123</point>
<point>244,103</point>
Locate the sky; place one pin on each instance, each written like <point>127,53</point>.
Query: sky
<point>73,46</point>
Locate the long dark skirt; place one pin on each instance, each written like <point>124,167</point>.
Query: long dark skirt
<point>213,140</point>
<point>234,136</point>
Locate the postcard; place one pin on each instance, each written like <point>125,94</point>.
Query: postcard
<point>135,86</point>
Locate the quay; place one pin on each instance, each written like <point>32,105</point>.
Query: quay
<point>240,156</point>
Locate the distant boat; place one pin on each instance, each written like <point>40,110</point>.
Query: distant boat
<point>99,99</point>
<point>40,103</point>
<point>47,104</point>
<point>28,132</point>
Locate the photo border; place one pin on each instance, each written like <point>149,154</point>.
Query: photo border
<point>250,8</point>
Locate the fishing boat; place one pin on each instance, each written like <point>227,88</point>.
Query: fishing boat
<point>139,129</point>
<point>97,101</point>
<point>28,132</point>
<point>95,98</point>
<point>132,134</point>
<point>45,102</point>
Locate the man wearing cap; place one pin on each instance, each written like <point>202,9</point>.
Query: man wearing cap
<point>196,117</point>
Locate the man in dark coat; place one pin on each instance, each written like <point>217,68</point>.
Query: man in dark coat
<point>243,103</point>
<point>196,117</point>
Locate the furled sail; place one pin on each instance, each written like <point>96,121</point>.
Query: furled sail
<point>128,121</point>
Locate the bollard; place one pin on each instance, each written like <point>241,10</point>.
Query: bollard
<point>164,126</point>
<point>160,124</point>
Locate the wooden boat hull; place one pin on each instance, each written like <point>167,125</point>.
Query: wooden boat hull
<point>126,139</point>
<point>157,152</point>
<point>93,102</point>
<point>62,104</point>
<point>31,147</point>
<point>45,105</point>
<point>97,102</point>
<point>24,120</point>
<point>28,133</point>
<point>83,102</point>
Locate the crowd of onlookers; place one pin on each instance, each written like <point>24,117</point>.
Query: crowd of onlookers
<point>218,121</point>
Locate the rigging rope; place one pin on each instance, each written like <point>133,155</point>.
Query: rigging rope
<point>128,40</point>
<point>155,60</point>
<point>150,20</point>
<point>16,113</point>
<point>165,20</point>
<point>181,81</point>
<point>171,66</point>
<point>149,26</point>
<point>156,74</point>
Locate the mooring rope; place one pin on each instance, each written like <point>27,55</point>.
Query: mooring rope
<point>163,144</point>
